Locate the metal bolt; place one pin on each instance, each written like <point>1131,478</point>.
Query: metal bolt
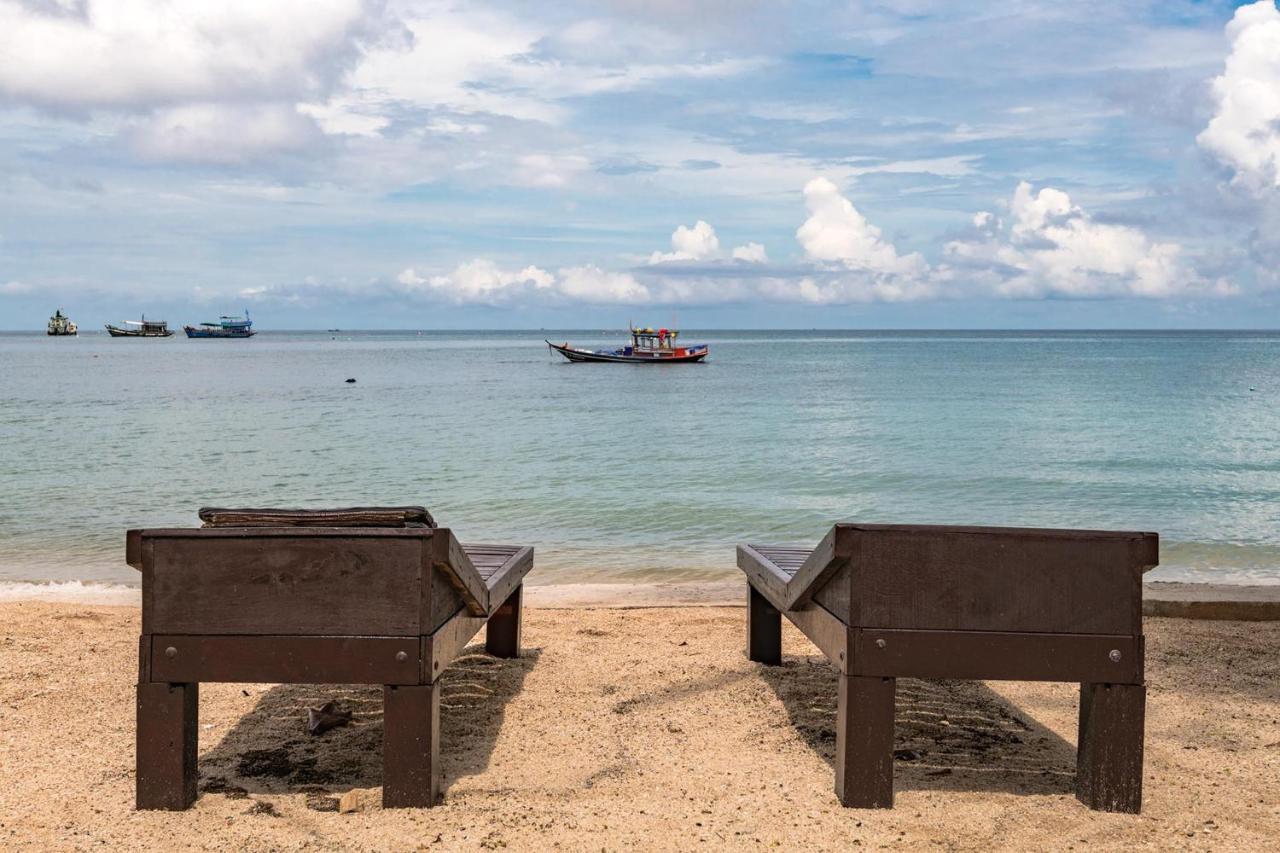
<point>880,644</point>
<point>1114,655</point>
<point>171,652</point>
<point>402,656</point>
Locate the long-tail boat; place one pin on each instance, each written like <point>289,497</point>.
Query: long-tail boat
<point>143,328</point>
<point>648,346</point>
<point>226,327</point>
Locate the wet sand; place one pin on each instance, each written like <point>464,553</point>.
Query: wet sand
<point>634,728</point>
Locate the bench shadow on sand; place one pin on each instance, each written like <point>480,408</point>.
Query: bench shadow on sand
<point>269,750</point>
<point>948,735</point>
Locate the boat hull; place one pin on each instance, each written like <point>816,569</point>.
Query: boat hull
<point>195,332</point>
<point>117,332</point>
<point>577,355</point>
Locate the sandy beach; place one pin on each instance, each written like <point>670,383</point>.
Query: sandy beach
<point>634,728</point>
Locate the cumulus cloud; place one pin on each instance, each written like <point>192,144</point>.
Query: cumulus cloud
<point>14,288</point>
<point>1244,133</point>
<point>752,253</point>
<point>1052,247</point>
<point>700,243</point>
<point>837,233</point>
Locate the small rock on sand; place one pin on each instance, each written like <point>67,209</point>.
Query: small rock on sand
<point>350,802</point>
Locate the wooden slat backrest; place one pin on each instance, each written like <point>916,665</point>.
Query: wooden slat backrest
<point>989,579</point>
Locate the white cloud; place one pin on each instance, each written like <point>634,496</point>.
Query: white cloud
<point>592,284</point>
<point>482,281</point>
<point>752,253</point>
<point>15,288</point>
<point>1244,133</point>
<point>222,133</point>
<point>1052,247</point>
<point>837,233</point>
<point>700,244</point>
<point>478,281</point>
<point>135,53</point>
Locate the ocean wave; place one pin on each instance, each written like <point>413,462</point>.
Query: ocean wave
<point>77,592</point>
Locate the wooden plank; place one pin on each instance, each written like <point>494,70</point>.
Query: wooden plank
<point>133,548</point>
<point>411,770</point>
<point>452,559</point>
<point>286,659</point>
<point>167,728</point>
<point>502,634</point>
<point>509,575</point>
<point>997,579</point>
<point>439,649</point>
<point>817,568</point>
<point>764,629</point>
<point>864,742</point>
<point>1109,756</point>
<point>356,516</point>
<point>985,655</point>
<point>763,575</point>
<point>832,637</point>
<point>268,581</point>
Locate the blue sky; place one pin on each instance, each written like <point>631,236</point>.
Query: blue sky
<point>734,164</point>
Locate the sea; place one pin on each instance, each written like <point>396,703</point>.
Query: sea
<point>639,473</point>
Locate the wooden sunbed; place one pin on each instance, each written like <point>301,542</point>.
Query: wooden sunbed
<point>356,596</point>
<point>890,601</point>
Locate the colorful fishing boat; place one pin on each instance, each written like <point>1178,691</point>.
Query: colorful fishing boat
<point>648,346</point>
<point>226,327</point>
<point>143,328</point>
<point>60,324</point>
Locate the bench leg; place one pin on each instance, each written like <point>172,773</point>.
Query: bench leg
<point>1109,752</point>
<point>864,742</point>
<point>764,629</point>
<point>502,635</point>
<point>410,745</point>
<point>167,745</point>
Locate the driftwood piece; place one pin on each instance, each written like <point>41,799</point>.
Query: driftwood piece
<point>327,716</point>
<point>359,516</point>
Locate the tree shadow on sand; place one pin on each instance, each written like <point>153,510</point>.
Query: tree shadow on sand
<point>948,735</point>
<point>269,750</point>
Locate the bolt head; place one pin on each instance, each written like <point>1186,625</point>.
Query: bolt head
<point>402,656</point>
<point>1114,655</point>
<point>880,644</point>
<point>171,652</point>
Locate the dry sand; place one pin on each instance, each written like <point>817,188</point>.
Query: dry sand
<point>634,728</point>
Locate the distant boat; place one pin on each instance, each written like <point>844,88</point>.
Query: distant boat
<point>226,327</point>
<point>143,328</point>
<point>60,324</point>
<point>648,346</point>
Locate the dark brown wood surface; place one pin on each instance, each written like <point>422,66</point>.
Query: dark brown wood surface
<point>286,659</point>
<point>411,772</point>
<point>998,655</point>
<point>356,516</point>
<point>256,581</point>
<point>1109,755</point>
<point>864,742</point>
<point>167,718</point>
<point>502,633</point>
<point>764,629</point>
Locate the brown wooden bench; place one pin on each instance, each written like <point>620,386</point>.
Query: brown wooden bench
<point>913,601</point>
<point>361,596</point>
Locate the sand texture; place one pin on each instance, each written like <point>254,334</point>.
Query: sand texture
<point>634,729</point>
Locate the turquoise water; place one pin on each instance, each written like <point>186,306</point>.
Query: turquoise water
<point>635,473</point>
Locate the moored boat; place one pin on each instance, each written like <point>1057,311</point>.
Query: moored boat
<point>648,346</point>
<point>60,325</point>
<point>143,328</point>
<point>226,327</point>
